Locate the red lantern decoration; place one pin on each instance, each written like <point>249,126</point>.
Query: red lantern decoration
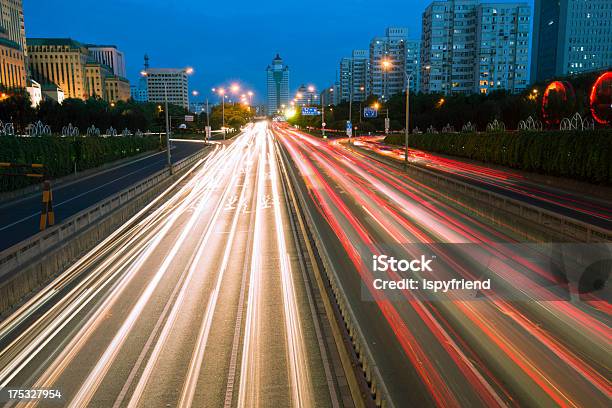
<point>601,99</point>
<point>552,114</point>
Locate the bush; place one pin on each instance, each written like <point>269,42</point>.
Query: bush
<point>59,154</point>
<point>578,155</point>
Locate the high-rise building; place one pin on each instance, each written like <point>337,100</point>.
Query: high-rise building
<point>278,85</point>
<point>502,47</point>
<point>13,70</point>
<point>466,44</point>
<point>172,83</point>
<point>570,36</point>
<point>110,56</point>
<point>139,92</point>
<point>331,94</point>
<point>388,63</point>
<point>413,64</point>
<point>354,73</point>
<point>62,62</point>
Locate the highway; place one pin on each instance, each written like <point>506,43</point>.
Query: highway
<point>509,183</point>
<point>525,342</point>
<point>20,219</point>
<point>200,302</point>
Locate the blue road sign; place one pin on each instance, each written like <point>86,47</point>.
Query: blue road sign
<point>349,125</point>
<point>370,113</point>
<point>307,111</point>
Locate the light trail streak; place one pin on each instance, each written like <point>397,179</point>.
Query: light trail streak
<point>364,181</point>
<point>300,380</point>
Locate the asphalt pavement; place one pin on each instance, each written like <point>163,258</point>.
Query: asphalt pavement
<point>20,219</point>
<point>200,304</point>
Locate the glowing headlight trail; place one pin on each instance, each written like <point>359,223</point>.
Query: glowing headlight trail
<point>202,247</point>
<point>300,380</point>
<point>318,185</point>
<point>248,385</point>
<point>195,364</point>
<point>90,385</point>
<point>41,339</point>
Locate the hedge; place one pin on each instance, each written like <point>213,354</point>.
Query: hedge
<point>58,154</point>
<point>578,155</point>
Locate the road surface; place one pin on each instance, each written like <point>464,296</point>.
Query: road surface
<point>522,343</point>
<point>201,303</point>
<point>20,220</point>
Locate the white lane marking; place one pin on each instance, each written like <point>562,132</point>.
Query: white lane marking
<point>299,376</point>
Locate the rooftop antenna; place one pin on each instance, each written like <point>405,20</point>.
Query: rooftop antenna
<point>146,62</point>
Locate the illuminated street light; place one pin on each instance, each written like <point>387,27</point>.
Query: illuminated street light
<point>235,88</point>
<point>189,70</point>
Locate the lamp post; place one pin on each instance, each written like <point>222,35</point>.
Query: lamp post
<point>323,112</point>
<point>168,155</point>
<point>407,130</point>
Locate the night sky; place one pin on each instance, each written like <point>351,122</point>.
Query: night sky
<point>227,41</point>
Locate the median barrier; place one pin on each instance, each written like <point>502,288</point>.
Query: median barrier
<point>34,261</point>
<point>526,220</point>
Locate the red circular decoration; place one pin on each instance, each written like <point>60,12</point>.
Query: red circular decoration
<point>601,99</point>
<point>565,91</point>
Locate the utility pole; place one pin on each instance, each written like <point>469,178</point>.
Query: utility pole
<point>407,130</point>
<point>207,122</point>
<point>168,156</point>
<point>351,96</point>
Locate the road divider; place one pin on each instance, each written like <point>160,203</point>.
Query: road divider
<point>29,264</point>
<point>506,212</point>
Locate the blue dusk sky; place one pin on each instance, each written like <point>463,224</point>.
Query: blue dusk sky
<point>227,41</point>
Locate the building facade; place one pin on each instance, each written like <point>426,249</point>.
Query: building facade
<point>277,80</point>
<point>306,96</point>
<point>470,47</point>
<point>331,94</point>
<point>172,83</point>
<point>413,64</point>
<point>110,56</point>
<point>388,63</point>
<point>117,89</point>
<point>570,37</point>
<point>354,74</point>
<point>95,76</point>
<point>60,61</point>
<point>13,69</point>
<point>502,47</point>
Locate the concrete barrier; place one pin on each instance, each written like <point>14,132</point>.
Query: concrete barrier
<point>33,262</point>
<point>527,220</point>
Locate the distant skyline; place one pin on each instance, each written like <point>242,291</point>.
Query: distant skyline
<point>224,43</point>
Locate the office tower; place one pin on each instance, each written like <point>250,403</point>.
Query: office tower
<point>502,47</point>
<point>471,47</point>
<point>13,70</point>
<point>277,76</point>
<point>388,63</point>
<point>354,73</point>
<point>61,62</point>
<point>110,56</point>
<point>170,82</point>
<point>569,37</point>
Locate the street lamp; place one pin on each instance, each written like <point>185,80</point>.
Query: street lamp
<point>386,66</point>
<point>323,112</point>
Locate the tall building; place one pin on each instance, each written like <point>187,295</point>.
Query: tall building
<point>278,85</point>
<point>354,73</point>
<point>62,62</point>
<point>170,82</point>
<point>471,47</point>
<point>502,50</point>
<point>110,56</point>
<point>570,36</point>
<point>388,63</point>
<point>413,64</point>
<point>139,92</point>
<point>331,94</point>
<point>13,70</point>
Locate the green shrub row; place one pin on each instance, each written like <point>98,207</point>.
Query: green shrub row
<point>578,155</point>
<point>59,154</point>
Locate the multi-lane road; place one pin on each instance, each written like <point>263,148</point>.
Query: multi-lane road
<point>19,219</point>
<point>202,302</point>
<point>522,343</point>
<point>206,299</point>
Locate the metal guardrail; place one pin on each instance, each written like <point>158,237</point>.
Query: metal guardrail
<point>36,246</point>
<point>561,224</point>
